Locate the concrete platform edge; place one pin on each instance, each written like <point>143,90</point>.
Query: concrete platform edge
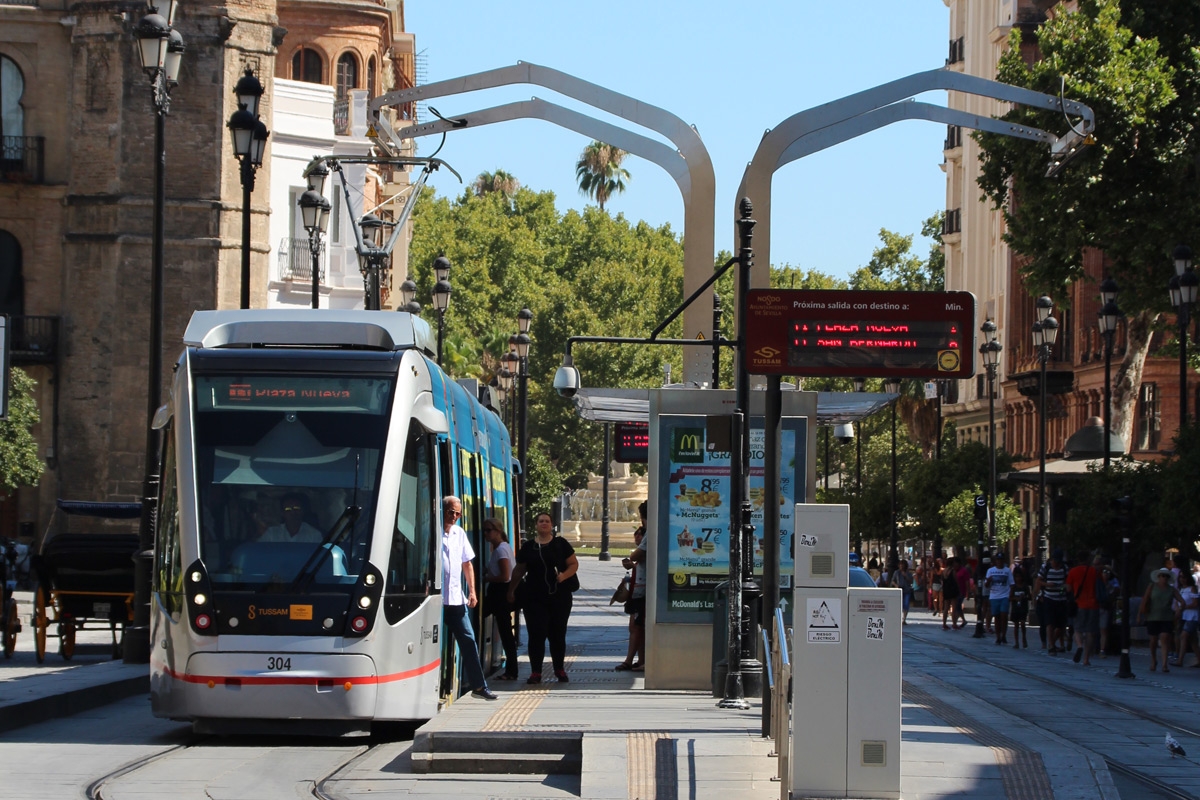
<point>41,709</point>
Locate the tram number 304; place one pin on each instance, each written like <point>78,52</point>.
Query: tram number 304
<point>276,663</point>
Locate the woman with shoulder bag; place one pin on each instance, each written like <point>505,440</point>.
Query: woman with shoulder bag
<point>549,566</point>
<point>635,606</point>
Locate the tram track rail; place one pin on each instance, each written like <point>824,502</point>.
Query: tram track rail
<point>95,789</point>
<point>1132,773</point>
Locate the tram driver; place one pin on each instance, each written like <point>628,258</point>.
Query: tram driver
<point>293,528</point>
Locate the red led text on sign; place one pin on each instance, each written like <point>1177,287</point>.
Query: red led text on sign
<point>861,334</point>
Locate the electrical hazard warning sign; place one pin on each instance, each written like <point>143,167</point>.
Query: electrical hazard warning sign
<point>824,619</point>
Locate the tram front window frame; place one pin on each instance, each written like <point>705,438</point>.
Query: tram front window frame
<point>287,464</point>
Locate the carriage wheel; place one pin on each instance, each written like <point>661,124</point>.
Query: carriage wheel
<point>66,638</point>
<point>12,624</point>
<point>41,623</point>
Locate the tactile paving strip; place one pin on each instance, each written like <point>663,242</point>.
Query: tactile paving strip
<point>516,711</point>
<point>652,771</point>
<point>1021,769</point>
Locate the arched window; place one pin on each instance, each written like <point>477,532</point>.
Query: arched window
<point>12,87</point>
<point>12,281</point>
<point>370,78</point>
<point>347,75</point>
<point>306,65</point>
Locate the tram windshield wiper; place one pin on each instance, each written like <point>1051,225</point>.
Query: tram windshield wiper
<point>342,524</point>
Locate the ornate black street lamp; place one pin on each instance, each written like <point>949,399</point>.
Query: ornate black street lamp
<point>160,49</point>
<point>1109,315</point>
<point>892,386</point>
<point>441,298</point>
<point>408,293</point>
<point>521,345</point>
<point>314,211</point>
<point>370,259</point>
<point>1045,332</point>
<point>1183,288</point>
<point>990,353</point>
<point>249,145</point>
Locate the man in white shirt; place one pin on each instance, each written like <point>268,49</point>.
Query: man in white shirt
<point>293,528</point>
<point>457,556</point>
<point>999,585</point>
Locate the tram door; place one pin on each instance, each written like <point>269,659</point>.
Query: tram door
<point>449,687</point>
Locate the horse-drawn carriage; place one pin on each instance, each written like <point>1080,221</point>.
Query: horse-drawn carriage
<point>84,578</point>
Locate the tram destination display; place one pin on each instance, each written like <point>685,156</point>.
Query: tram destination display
<point>829,333</point>
<point>631,442</point>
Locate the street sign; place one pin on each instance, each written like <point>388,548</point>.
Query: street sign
<point>981,509</point>
<point>847,334</point>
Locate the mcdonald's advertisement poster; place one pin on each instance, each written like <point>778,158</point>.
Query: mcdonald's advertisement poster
<point>697,485</point>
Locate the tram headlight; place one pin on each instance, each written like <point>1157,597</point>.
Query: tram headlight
<point>196,576</point>
<point>200,599</point>
<point>364,602</point>
<point>369,579</point>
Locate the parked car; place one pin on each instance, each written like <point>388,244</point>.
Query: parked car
<point>860,578</point>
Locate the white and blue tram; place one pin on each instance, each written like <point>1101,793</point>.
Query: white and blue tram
<point>297,554</point>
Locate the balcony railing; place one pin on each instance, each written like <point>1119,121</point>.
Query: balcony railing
<point>957,51</point>
<point>952,222</point>
<point>32,340</point>
<point>22,159</point>
<point>295,261</point>
<point>954,137</point>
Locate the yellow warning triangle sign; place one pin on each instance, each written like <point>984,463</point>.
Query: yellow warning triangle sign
<point>701,336</point>
<point>372,133</point>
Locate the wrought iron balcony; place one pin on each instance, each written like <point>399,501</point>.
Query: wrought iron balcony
<point>22,159</point>
<point>341,117</point>
<point>32,340</point>
<point>295,261</point>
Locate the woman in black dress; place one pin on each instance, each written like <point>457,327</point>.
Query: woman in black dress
<point>547,564</point>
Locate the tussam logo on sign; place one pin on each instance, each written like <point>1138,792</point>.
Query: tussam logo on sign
<point>687,446</point>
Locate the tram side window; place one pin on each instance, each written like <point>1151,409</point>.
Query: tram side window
<point>410,563</point>
<point>168,567</point>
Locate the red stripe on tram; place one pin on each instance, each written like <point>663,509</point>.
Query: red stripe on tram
<point>285,680</point>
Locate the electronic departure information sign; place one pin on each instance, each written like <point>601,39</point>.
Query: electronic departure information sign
<point>631,442</point>
<point>847,334</point>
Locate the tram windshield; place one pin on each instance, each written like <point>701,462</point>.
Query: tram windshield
<point>287,469</point>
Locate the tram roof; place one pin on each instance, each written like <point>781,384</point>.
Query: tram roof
<point>633,405</point>
<point>309,327</point>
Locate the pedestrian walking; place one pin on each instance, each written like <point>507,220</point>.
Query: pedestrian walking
<point>950,595</point>
<point>457,555</point>
<point>1085,583</point>
<point>635,606</point>
<point>1019,607</point>
<point>551,566</point>
<point>1157,610</point>
<point>1051,586</point>
<point>998,583</point>
<point>903,580</point>
<point>1191,620</point>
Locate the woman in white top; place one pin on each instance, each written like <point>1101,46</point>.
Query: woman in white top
<point>1191,619</point>
<point>499,571</point>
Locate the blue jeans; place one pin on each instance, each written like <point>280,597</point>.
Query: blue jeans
<point>458,623</point>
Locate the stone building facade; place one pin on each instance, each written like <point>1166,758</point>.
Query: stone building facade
<point>76,210</point>
<point>978,260</point>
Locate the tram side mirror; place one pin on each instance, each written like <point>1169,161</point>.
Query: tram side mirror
<point>566,379</point>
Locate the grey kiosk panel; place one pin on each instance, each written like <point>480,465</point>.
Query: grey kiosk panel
<point>846,675</point>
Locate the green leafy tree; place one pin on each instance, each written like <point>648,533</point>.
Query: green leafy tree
<point>599,172</point>
<point>1135,194</point>
<point>19,461</point>
<point>933,483</point>
<point>961,529</point>
<point>543,482</point>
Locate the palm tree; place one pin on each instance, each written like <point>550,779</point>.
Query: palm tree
<point>498,181</point>
<point>600,173</point>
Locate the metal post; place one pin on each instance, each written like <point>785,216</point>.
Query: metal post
<point>441,330</point>
<point>739,470</point>
<point>247,188</point>
<point>604,554</point>
<point>1184,308</point>
<point>894,555</point>
<point>858,482</point>
<point>1108,351</point>
<point>979,576</point>
<point>137,635</point>
<point>716,360</point>
<point>1043,538</point>
<point>772,448</point>
<point>1124,670</point>
<point>523,426</point>
<point>991,381</point>
<point>314,249</point>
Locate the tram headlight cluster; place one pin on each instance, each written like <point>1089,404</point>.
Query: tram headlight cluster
<point>198,588</point>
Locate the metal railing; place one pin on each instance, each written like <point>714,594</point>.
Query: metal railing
<point>341,117</point>
<point>33,340</point>
<point>22,158</point>
<point>779,679</point>
<point>295,261</point>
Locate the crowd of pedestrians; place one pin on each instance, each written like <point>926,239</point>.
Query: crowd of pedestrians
<point>1076,603</point>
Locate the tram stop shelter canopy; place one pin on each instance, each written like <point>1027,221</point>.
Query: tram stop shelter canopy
<point>633,405</point>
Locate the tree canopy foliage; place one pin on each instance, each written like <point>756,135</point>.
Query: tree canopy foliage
<point>19,461</point>
<point>1135,194</point>
<point>599,172</point>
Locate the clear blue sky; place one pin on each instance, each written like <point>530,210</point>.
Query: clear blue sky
<point>732,70</point>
